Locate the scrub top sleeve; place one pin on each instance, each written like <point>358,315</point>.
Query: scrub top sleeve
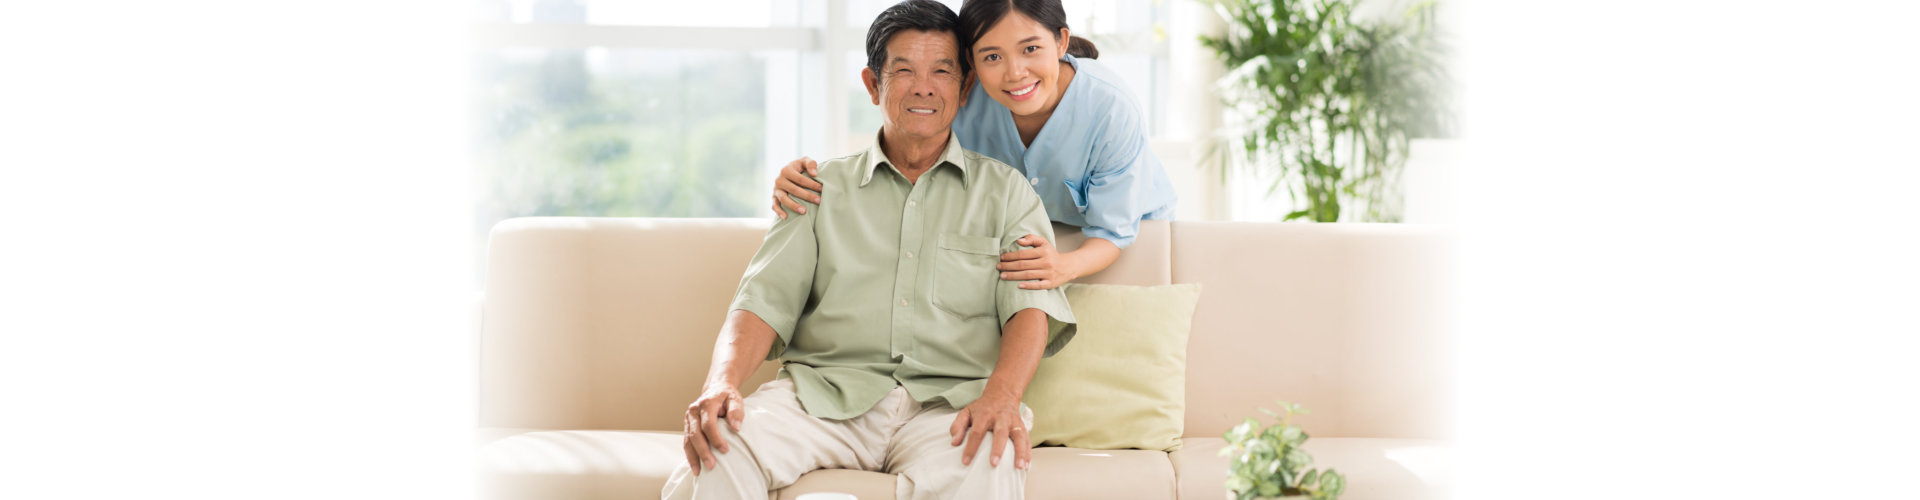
<point>1118,186</point>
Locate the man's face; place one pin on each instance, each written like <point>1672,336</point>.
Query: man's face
<point>918,88</point>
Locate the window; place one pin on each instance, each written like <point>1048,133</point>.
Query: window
<point>657,108</point>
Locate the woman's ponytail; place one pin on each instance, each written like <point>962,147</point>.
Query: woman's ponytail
<point>1082,48</point>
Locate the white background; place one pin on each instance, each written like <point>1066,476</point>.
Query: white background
<point>233,262</point>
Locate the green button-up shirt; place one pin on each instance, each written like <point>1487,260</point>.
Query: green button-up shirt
<point>888,282</point>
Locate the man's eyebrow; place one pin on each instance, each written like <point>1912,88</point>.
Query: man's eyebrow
<point>903,60</point>
<point>1022,41</point>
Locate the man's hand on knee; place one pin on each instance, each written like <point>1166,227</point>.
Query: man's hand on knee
<point>1000,415</point>
<point>702,424</point>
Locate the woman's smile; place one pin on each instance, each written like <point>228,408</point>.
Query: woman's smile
<point>1024,93</point>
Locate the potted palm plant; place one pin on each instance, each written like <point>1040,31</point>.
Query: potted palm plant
<point>1268,462</point>
<point>1324,102</point>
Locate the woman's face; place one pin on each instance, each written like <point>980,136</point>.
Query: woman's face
<point>1018,63</point>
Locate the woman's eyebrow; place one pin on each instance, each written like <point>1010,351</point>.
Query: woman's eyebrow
<point>1022,41</point>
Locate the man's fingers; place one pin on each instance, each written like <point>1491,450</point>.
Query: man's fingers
<point>736,412</point>
<point>999,443</point>
<point>693,460</point>
<point>974,437</point>
<point>959,428</point>
<point>1020,255</point>
<point>1022,448</point>
<point>710,425</point>
<point>813,168</point>
<point>701,448</point>
<point>687,442</point>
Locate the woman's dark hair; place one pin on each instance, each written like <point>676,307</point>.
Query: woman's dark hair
<point>921,15</point>
<point>978,16</point>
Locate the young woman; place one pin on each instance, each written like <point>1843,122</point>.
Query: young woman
<point>1056,115</point>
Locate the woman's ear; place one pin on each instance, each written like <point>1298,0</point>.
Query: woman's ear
<point>966,87</point>
<point>1066,39</point>
<point>873,84</point>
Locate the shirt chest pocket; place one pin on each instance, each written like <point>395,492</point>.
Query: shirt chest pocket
<point>964,274</point>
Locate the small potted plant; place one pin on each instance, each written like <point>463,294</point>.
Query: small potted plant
<point>1269,463</point>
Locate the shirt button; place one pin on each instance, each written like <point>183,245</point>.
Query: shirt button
<point>1036,181</point>
<point>903,302</point>
<point>912,204</point>
<point>909,254</point>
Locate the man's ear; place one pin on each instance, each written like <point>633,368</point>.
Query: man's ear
<point>873,84</point>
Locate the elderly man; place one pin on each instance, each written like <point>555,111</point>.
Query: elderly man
<point>901,350</point>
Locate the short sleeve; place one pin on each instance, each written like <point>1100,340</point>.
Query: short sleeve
<point>1119,187</point>
<point>780,276</point>
<point>1027,216</point>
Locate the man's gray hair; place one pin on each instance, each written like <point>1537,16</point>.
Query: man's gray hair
<point>922,15</point>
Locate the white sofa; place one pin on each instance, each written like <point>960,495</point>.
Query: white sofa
<point>596,333</point>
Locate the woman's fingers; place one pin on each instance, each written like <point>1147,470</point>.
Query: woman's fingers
<point>787,200</point>
<point>1022,265</point>
<point>1024,275</point>
<point>1026,254</point>
<point>795,182</point>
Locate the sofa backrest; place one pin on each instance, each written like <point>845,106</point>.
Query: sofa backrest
<point>1347,320</point>
<point>604,323</point>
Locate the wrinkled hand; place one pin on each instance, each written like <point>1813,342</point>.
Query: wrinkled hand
<point>1037,268</point>
<point>796,180</point>
<point>702,423</point>
<point>999,414</point>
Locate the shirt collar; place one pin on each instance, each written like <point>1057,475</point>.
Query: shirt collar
<point>952,155</point>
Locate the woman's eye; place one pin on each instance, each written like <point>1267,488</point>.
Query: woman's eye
<point>992,57</point>
<point>1032,48</point>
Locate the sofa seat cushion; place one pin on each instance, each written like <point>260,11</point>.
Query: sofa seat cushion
<point>1376,469</point>
<point>636,464</point>
<point>578,464</point>
<point>1080,473</point>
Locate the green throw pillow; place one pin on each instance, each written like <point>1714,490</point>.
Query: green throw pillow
<point>1121,382</point>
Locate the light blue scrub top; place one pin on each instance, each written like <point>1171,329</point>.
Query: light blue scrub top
<point>1091,163</point>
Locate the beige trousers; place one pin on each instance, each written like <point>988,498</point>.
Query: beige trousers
<point>779,441</point>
